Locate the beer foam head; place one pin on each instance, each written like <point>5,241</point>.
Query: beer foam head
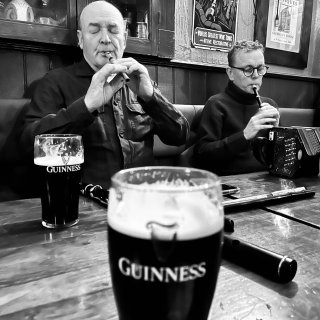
<point>193,214</point>
<point>55,161</point>
<point>58,150</point>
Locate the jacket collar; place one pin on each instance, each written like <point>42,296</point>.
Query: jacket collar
<point>239,95</point>
<point>83,69</point>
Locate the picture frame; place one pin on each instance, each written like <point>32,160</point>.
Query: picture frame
<point>286,42</point>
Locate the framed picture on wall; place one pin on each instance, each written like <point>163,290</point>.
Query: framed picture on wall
<point>214,24</point>
<point>284,26</point>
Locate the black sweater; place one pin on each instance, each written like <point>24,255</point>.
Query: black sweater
<point>222,147</point>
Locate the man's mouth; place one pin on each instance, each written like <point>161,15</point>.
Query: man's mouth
<point>106,54</point>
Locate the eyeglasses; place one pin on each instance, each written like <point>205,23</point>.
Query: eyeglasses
<point>248,71</point>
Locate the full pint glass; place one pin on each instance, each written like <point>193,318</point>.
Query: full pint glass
<point>165,228</point>
<point>59,158</point>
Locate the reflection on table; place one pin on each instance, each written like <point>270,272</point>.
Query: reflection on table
<point>65,274</point>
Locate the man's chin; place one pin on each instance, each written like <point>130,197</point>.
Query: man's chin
<point>101,61</point>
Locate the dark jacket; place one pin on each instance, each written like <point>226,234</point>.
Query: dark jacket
<point>119,135</point>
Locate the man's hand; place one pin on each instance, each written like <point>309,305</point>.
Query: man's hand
<point>100,91</point>
<point>266,118</point>
<point>140,82</point>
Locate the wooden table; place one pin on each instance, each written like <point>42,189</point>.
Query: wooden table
<point>65,274</point>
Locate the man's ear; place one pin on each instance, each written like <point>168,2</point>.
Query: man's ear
<point>230,73</point>
<point>125,37</point>
<point>80,39</point>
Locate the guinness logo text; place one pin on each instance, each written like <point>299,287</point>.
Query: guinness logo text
<point>161,274</point>
<point>62,169</point>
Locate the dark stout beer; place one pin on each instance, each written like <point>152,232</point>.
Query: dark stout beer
<point>58,158</point>
<point>164,234</point>
<point>179,288</point>
<point>59,188</point>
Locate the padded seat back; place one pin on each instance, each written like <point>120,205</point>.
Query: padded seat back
<point>11,117</point>
<point>193,114</point>
<point>297,117</point>
<point>171,155</point>
<point>16,174</point>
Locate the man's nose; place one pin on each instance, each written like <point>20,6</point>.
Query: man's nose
<point>255,73</point>
<point>104,36</point>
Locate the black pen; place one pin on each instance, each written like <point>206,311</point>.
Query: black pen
<point>277,267</point>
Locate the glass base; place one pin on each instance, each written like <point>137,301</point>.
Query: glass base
<point>59,226</point>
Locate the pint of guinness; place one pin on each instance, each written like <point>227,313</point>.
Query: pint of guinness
<point>164,235</point>
<point>59,159</point>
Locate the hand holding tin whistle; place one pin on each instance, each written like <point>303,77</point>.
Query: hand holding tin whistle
<point>140,82</point>
<point>124,75</point>
<point>267,117</point>
<point>100,90</point>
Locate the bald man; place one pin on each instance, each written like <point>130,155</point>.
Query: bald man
<point>116,118</point>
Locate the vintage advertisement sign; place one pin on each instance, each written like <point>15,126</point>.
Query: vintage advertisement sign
<point>285,24</point>
<point>214,24</point>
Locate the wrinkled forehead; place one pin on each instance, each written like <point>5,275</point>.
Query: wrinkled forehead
<point>100,12</point>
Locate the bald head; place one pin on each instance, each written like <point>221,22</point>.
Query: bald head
<point>97,8</point>
<point>102,33</point>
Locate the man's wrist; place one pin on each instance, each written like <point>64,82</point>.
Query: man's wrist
<point>245,136</point>
<point>148,95</point>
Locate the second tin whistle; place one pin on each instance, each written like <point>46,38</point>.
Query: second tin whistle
<point>277,267</point>
<point>257,96</point>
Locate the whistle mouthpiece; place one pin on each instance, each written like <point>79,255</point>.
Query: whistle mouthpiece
<point>255,90</point>
<point>123,75</point>
<point>274,266</point>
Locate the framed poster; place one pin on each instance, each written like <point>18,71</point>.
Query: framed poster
<point>284,30</point>
<point>214,24</point>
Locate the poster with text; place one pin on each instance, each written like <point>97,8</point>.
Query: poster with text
<point>285,24</point>
<point>214,24</point>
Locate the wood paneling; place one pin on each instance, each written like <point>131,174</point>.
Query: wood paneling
<point>181,88</point>
<point>166,41</point>
<point>216,82</point>
<point>21,69</point>
<point>33,74</point>
<point>65,58</point>
<point>12,81</point>
<point>197,86</point>
<point>291,93</point>
<point>165,82</point>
